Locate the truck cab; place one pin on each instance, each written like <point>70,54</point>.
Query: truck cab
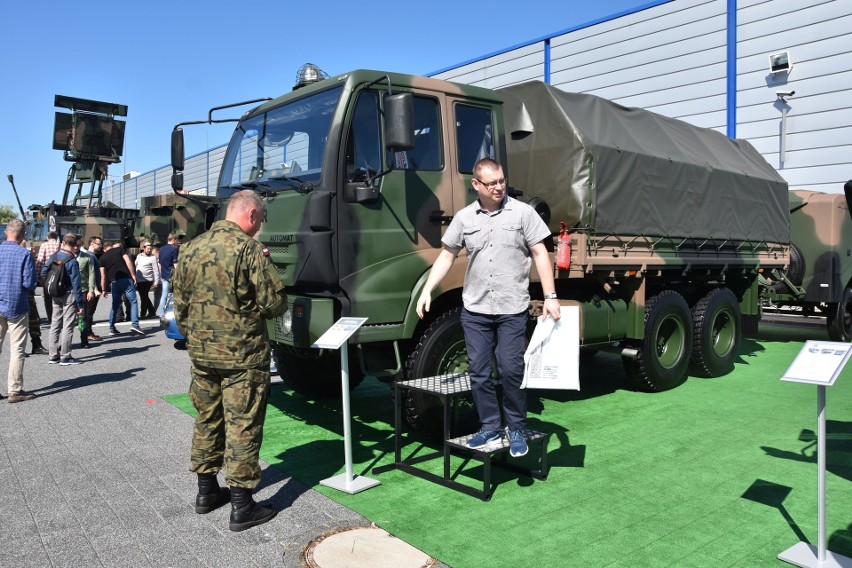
<point>354,226</point>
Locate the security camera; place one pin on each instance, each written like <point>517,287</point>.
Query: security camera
<point>783,94</point>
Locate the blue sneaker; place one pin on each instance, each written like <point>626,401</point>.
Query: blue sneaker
<point>483,438</point>
<point>517,444</point>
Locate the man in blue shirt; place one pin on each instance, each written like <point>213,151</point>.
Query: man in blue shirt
<point>67,307</point>
<point>17,277</point>
<point>168,261</point>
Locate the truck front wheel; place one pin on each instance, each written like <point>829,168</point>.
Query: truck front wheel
<point>839,318</point>
<point>316,377</point>
<point>439,351</point>
<point>717,333</point>
<point>663,354</point>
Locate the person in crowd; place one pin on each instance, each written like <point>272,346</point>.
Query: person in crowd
<point>224,290</point>
<point>147,277</point>
<point>34,317</point>
<point>95,250</point>
<point>67,307</point>
<point>503,236</point>
<point>89,275</point>
<point>158,290</point>
<point>17,278</point>
<point>118,277</point>
<point>47,248</point>
<point>168,262</point>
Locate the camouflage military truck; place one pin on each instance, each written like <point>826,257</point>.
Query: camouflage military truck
<point>173,213</point>
<point>361,173</point>
<point>819,280</point>
<point>109,222</point>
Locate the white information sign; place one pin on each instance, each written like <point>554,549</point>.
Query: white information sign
<point>338,333</point>
<point>819,363</point>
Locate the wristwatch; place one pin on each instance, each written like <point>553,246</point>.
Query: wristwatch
<point>551,296</point>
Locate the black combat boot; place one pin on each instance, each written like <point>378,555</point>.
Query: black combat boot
<point>245,513</point>
<point>210,495</point>
<point>38,348</point>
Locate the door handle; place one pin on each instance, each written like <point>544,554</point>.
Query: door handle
<point>441,219</point>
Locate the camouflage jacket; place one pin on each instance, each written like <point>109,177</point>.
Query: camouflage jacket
<point>224,291</point>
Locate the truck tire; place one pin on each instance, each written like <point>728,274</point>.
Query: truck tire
<point>663,355</point>
<point>839,318</point>
<point>440,350</point>
<point>316,377</point>
<point>717,333</point>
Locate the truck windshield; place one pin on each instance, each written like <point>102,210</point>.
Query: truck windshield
<point>280,149</point>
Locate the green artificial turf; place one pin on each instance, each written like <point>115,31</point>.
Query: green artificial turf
<point>718,472</point>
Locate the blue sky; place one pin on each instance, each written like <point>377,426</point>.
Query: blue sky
<point>171,62</point>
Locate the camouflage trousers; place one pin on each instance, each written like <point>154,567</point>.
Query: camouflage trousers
<point>231,405</point>
<point>35,320</point>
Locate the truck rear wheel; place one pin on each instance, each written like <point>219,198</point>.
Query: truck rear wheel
<point>717,333</point>
<point>316,377</point>
<point>440,350</point>
<point>663,354</point>
<point>839,318</point>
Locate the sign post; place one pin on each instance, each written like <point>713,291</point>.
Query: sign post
<point>335,337</point>
<point>819,363</point>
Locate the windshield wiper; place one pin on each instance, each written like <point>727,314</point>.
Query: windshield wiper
<point>299,184</point>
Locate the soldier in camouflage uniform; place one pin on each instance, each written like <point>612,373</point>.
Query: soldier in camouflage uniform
<point>224,289</point>
<point>35,319</point>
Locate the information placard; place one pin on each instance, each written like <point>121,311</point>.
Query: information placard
<point>338,333</point>
<point>818,363</point>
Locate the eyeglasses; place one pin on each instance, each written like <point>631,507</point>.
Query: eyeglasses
<point>493,184</point>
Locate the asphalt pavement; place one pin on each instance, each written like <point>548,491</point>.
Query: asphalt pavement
<point>95,471</point>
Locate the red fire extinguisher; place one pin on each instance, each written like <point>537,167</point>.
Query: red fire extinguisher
<point>563,248</point>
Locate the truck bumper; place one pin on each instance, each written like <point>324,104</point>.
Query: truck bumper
<point>304,321</point>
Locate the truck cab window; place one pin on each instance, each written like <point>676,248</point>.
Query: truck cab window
<point>427,154</point>
<point>473,132</point>
<point>363,145</point>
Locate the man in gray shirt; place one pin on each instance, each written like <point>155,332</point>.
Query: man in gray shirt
<point>502,237</point>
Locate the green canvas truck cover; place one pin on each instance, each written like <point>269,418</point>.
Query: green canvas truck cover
<point>612,169</point>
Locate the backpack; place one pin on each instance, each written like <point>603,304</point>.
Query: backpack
<point>56,280</point>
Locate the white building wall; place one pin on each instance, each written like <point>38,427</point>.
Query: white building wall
<point>818,36</point>
<point>671,58</point>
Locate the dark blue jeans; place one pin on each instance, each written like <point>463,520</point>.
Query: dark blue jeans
<point>504,338</point>
<point>123,287</point>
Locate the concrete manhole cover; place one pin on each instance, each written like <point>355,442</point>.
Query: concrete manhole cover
<point>367,547</point>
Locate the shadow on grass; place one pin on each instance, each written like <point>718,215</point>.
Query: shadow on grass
<point>841,542</point>
<point>838,448</point>
<point>773,495</point>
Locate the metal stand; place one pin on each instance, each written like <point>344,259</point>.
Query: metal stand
<point>447,388</point>
<point>804,554</point>
<point>347,481</point>
<point>818,363</point>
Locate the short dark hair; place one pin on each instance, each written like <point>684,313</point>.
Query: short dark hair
<point>70,239</point>
<point>94,238</point>
<point>485,163</point>
<point>52,235</point>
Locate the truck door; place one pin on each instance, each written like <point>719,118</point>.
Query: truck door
<point>386,244</point>
<point>473,133</point>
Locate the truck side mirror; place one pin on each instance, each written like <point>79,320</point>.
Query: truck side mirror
<point>399,122</point>
<point>177,149</point>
